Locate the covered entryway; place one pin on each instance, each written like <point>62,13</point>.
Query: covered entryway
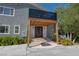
<point>38,27</point>
<point>42,25</point>
<point>38,30</point>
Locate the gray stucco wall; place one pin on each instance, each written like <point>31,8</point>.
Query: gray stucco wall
<point>20,18</point>
<point>50,31</point>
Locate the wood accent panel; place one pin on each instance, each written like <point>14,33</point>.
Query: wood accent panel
<point>41,22</point>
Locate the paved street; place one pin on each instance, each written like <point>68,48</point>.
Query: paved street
<point>56,51</point>
<point>20,50</point>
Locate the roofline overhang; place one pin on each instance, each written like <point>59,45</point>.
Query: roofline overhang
<point>37,5</point>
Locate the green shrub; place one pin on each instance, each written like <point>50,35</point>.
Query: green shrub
<point>65,42</point>
<point>4,41</point>
<point>54,38</point>
<point>1,38</point>
<point>24,41</point>
<point>60,40</point>
<point>15,40</point>
<point>77,39</point>
<point>9,40</point>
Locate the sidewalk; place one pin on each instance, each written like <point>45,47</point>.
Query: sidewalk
<point>15,50</point>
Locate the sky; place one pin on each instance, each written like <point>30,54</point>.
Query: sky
<point>53,6</point>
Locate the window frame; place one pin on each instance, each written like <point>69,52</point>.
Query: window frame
<point>19,29</point>
<point>8,29</point>
<point>10,11</point>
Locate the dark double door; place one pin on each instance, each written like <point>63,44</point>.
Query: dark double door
<point>38,31</point>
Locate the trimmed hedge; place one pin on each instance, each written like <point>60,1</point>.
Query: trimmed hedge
<point>8,40</point>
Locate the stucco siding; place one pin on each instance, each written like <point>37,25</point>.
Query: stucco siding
<point>20,18</point>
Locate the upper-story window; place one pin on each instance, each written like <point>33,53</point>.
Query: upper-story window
<point>7,11</point>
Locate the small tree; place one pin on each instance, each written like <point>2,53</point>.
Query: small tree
<point>69,19</point>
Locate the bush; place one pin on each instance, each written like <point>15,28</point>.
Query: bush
<point>8,40</point>
<point>54,38</point>
<point>24,41</point>
<point>60,40</point>
<point>77,39</point>
<point>65,42</point>
<point>4,41</point>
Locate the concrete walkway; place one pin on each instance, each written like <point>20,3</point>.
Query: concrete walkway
<point>52,44</point>
<point>37,43</point>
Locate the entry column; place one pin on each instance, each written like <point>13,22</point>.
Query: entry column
<point>44,31</point>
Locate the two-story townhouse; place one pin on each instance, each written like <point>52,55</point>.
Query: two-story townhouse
<point>24,19</point>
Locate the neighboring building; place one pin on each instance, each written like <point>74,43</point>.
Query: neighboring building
<point>21,19</point>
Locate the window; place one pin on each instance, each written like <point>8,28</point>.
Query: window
<point>1,10</point>
<point>6,11</point>
<point>12,11</point>
<point>42,14</point>
<point>16,29</point>
<point>4,29</point>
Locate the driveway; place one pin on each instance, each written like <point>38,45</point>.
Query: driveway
<point>20,50</point>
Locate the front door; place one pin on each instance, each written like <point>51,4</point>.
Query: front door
<point>38,31</point>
